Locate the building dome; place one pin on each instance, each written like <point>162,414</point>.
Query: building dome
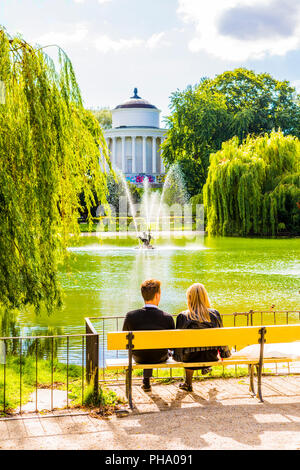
<point>135,112</point>
<point>136,102</point>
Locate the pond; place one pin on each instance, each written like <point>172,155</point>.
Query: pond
<point>103,277</point>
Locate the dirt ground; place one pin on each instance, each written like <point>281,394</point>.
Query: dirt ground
<point>219,414</point>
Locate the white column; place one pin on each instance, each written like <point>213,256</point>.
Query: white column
<point>153,154</point>
<point>113,151</point>
<point>133,154</point>
<point>105,164</point>
<point>162,167</point>
<point>123,155</point>
<point>144,156</point>
<point>102,161</point>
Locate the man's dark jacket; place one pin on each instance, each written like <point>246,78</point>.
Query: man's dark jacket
<point>149,318</point>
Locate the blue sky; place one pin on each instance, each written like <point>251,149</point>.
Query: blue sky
<point>160,45</point>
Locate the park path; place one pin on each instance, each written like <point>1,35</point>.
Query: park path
<point>219,414</point>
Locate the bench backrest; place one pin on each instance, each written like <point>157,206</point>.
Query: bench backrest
<point>233,336</point>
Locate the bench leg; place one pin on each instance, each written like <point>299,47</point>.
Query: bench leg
<point>130,347</point>
<point>260,365</point>
<point>127,382</point>
<point>257,394</point>
<point>130,388</point>
<point>259,374</point>
<point>251,377</point>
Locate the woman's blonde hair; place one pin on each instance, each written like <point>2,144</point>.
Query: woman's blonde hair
<point>198,303</point>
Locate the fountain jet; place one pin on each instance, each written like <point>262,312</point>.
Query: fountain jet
<point>153,202</point>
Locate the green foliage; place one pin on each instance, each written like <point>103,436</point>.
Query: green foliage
<point>197,125</point>
<point>104,398</point>
<point>103,116</point>
<point>193,174</point>
<point>235,103</point>
<point>49,150</point>
<point>8,322</point>
<point>254,188</point>
<point>116,190</point>
<point>258,103</point>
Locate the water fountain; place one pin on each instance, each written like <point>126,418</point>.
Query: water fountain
<point>154,205</point>
<point>173,192</point>
<point>129,199</point>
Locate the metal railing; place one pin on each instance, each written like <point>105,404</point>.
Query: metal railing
<point>81,357</point>
<point>25,357</point>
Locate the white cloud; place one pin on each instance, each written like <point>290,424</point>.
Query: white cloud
<point>235,30</point>
<point>79,34</point>
<point>157,40</point>
<point>105,44</point>
<point>72,35</point>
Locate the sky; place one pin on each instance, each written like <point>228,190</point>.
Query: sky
<point>160,46</point>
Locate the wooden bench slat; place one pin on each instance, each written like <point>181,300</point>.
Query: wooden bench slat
<point>243,335</point>
<point>123,363</point>
<point>184,338</point>
<point>282,333</point>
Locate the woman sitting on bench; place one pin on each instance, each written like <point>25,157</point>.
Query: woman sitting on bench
<point>199,315</point>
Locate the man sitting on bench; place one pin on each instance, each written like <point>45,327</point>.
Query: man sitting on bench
<point>150,317</point>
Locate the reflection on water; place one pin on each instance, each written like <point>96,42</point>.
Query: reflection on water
<point>111,248</point>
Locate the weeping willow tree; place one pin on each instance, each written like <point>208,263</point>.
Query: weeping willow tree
<point>254,188</point>
<point>49,150</point>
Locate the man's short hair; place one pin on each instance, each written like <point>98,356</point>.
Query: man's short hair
<point>149,288</point>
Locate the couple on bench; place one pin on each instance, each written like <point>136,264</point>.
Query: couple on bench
<point>150,317</point>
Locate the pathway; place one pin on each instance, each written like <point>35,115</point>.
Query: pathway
<point>219,414</point>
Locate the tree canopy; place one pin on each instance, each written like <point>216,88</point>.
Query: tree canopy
<point>235,103</point>
<point>258,103</point>
<point>197,126</point>
<point>103,116</point>
<point>49,150</point>
<point>254,188</point>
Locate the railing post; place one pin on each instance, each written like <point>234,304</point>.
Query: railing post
<point>130,347</point>
<point>4,376</point>
<point>92,355</point>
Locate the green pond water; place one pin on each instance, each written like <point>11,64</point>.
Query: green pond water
<point>103,277</point>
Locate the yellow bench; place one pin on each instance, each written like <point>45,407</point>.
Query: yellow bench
<point>170,339</point>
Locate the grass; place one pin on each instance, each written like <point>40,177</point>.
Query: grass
<point>45,379</point>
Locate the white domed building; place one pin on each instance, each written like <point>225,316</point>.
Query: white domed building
<point>134,140</point>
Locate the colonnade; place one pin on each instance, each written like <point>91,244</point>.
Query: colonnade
<point>135,167</point>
